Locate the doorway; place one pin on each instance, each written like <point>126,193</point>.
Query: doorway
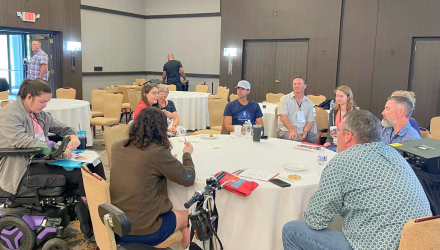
<point>424,79</point>
<point>271,65</point>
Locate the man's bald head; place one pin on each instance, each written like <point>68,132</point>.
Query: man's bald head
<point>170,56</point>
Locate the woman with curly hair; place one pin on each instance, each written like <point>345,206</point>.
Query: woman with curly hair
<point>141,166</point>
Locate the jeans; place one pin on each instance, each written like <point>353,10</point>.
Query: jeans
<point>333,148</point>
<point>297,235</point>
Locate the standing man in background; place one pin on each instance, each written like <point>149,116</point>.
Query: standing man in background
<point>38,64</point>
<point>172,71</point>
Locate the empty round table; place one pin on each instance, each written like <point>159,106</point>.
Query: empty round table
<point>192,108</point>
<point>255,221</point>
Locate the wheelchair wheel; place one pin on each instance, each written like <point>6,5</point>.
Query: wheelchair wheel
<point>16,234</point>
<point>55,244</point>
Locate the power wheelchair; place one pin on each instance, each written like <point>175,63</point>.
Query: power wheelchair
<point>41,209</point>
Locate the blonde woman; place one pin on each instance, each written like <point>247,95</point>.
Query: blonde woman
<point>343,103</point>
<point>169,108</point>
<point>412,97</point>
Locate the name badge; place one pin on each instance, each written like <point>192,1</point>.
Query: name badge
<point>41,137</point>
<point>300,116</point>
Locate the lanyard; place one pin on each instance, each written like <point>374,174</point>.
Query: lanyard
<point>299,105</point>
<point>34,118</point>
<point>392,138</point>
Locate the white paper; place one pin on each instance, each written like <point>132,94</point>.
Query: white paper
<point>85,156</point>
<point>258,174</point>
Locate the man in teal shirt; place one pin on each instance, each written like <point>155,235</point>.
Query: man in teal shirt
<point>369,184</point>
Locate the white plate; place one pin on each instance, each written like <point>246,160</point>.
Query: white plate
<point>206,136</point>
<point>294,166</point>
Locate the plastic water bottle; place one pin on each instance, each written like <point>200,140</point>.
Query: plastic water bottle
<point>332,104</point>
<point>322,160</point>
<point>47,150</point>
<point>248,127</point>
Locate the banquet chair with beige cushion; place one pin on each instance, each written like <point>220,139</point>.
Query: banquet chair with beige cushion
<point>4,103</point>
<point>66,93</point>
<point>171,87</point>
<point>421,234</point>
<point>424,133</point>
<point>98,102</point>
<point>435,128</point>
<point>223,94</point>
<point>139,96</point>
<point>233,97</point>
<point>213,97</point>
<point>112,88</point>
<point>273,97</point>
<point>132,99</point>
<point>221,87</point>
<point>140,81</point>
<point>316,99</point>
<point>112,111</point>
<point>112,135</point>
<point>4,95</point>
<point>216,108</point>
<point>202,88</point>
<point>321,119</point>
<point>98,193</point>
<point>125,103</point>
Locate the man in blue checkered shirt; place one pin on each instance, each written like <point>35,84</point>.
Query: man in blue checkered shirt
<point>397,127</point>
<point>37,67</point>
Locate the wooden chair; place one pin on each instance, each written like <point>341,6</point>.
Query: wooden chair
<point>4,95</point>
<point>171,87</point>
<point>435,128</point>
<point>98,102</point>
<point>112,111</point>
<point>233,97</point>
<point>223,94</point>
<point>316,99</point>
<point>321,119</point>
<point>216,107</point>
<point>421,234</point>
<point>4,103</point>
<point>66,93</point>
<point>273,97</point>
<point>202,88</point>
<point>97,192</point>
<point>112,135</point>
<point>140,81</point>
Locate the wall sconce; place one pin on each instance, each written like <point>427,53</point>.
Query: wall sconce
<point>230,52</point>
<point>73,46</point>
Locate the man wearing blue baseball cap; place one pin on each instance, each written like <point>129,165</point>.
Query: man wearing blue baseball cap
<point>239,111</point>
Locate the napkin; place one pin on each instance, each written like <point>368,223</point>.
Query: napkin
<point>210,146</point>
<point>191,139</point>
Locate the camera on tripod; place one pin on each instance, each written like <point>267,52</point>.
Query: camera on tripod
<point>205,215</point>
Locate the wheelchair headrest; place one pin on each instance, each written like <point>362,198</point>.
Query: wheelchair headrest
<point>121,222</point>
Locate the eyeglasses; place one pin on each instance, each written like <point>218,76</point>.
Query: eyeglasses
<point>164,92</point>
<point>155,93</point>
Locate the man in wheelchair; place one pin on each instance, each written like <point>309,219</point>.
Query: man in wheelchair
<point>38,200</point>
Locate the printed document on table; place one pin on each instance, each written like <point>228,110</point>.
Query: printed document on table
<point>258,174</point>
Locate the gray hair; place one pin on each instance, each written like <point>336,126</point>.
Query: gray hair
<point>37,42</point>
<point>405,103</point>
<point>162,87</point>
<point>363,125</point>
<point>300,77</point>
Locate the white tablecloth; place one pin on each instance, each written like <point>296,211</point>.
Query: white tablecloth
<point>72,113</point>
<point>192,108</point>
<point>256,221</point>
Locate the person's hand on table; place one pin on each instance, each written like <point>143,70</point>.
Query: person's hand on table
<point>74,142</point>
<point>67,154</point>
<point>293,134</point>
<point>327,144</point>
<point>188,148</point>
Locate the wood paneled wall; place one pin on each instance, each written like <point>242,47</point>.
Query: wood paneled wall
<point>55,15</point>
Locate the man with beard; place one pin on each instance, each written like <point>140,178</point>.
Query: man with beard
<point>397,127</point>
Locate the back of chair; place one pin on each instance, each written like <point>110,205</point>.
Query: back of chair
<point>124,92</point>
<point>140,81</point>
<point>112,88</point>
<point>4,95</point>
<point>424,133</point>
<point>171,87</point>
<point>202,88</point>
<point>233,97</point>
<point>4,103</point>
<point>221,87</point>
<point>139,96</point>
<point>66,93</point>
<point>316,99</point>
<point>421,234</point>
<point>98,99</point>
<point>216,107</point>
<point>276,117</point>
<point>113,105</point>
<point>132,98</point>
<point>273,97</point>
<point>435,128</point>
<point>223,93</point>
<point>321,118</point>
<point>213,97</point>
<point>97,193</point>
<point>112,135</point>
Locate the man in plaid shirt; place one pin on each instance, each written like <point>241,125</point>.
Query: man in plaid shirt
<point>38,65</point>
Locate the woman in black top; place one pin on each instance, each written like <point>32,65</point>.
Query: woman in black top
<point>168,107</point>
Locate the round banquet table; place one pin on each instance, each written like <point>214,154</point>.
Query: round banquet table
<point>192,108</point>
<point>255,221</point>
<point>72,113</point>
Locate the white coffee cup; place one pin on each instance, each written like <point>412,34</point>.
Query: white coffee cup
<point>334,129</point>
<point>237,130</point>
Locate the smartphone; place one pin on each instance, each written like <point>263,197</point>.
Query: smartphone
<point>280,183</point>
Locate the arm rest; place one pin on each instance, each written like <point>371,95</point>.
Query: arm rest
<point>121,222</point>
<point>18,151</point>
